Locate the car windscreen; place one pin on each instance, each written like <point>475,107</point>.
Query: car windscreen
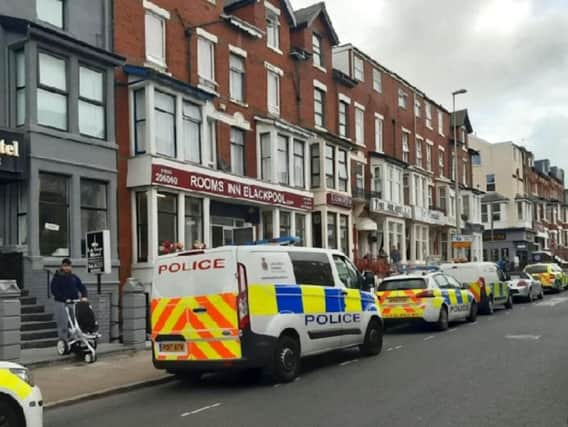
<point>402,284</point>
<point>537,269</point>
<point>519,276</point>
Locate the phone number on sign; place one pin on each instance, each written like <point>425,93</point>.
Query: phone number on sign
<point>162,178</point>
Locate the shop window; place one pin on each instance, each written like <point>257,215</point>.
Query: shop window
<point>300,220</point>
<point>91,103</point>
<point>283,160</point>
<point>52,92</point>
<point>142,227</point>
<point>265,157</point>
<point>344,233</point>
<point>192,132</point>
<point>299,164</point>
<point>193,221</point>
<point>51,11</point>
<point>165,129</point>
<point>312,268</point>
<point>267,228</point>
<point>237,78</point>
<point>20,81</point>
<point>317,238</point>
<point>54,215</point>
<point>167,221</point>
<point>139,105</point>
<point>330,166</point>
<point>237,151</point>
<point>332,230</point>
<point>94,208</point>
<point>315,165</point>
<point>285,224</point>
<point>342,170</point>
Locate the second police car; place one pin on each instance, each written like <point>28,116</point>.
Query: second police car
<point>435,298</point>
<point>21,403</point>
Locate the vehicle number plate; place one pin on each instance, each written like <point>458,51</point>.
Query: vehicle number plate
<point>397,299</point>
<point>172,347</point>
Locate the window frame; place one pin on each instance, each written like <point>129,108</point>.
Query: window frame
<point>234,143</point>
<point>273,109</point>
<point>272,22</point>
<point>358,70</point>
<point>53,90</point>
<point>418,148</point>
<point>102,104</point>
<point>359,126</point>
<point>208,81</point>
<point>377,82</point>
<point>16,54</point>
<point>63,14</point>
<point>185,118</point>
<point>332,227</point>
<point>241,73</point>
<point>342,183</point>
<point>175,121</point>
<point>402,99</point>
<point>160,62</point>
<point>173,215</point>
<point>379,135</point>
<point>301,155</point>
<point>84,208</point>
<point>201,224</point>
<point>66,206</point>
<point>490,183</point>
<point>141,243</point>
<point>317,53</point>
<point>283,169</point>
<point>343,119</point>
<point>405,146</point>
<point>319,114</point>
<point>330,177</point>
<point>315,160</point>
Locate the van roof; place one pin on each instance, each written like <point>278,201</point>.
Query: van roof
<point>255,248</point>
<point>468,264</point>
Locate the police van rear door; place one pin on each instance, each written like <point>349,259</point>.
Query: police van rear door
<point>194,306</point>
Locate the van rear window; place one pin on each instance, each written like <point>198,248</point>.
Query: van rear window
<point>402,284</point>
<point>311,268</point>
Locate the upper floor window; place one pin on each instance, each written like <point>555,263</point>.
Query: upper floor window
<point>428,111</point>
<point>464,172</point>
<point>273,92</point>
<point>330,166</point>
<point>315,166</point>
<point>51,11</point>
<point>139,106</point>
<point>440,122</point>
<point>358,68</point>
<point>165,127</point>
<point>496,211</point>
<point>343,118</point>
<point>319,107</point>
<point>476,159</point>
<point>490,182</point>
<point>378,180</point>
<point>20,69</point>
<point>52,92</point>
<point>405,148</point>
<point>316,51</point>
<point>428,157</point>
<point>342,170</point>
<point>191,132</point>
<point>265,157</point>
<point>237,151</point>
<point>359,126</point>
<point>379,130</point>
<point>272,30</point>
<point>484,213</point>
<point>377,80</point>
<point>299,164</point>
<point>417,108</point>
<point>283,160</point>
<point>441,163</point>
<point>206,62</point>
<point>402,99</point>
<point>237,78</point>
<point>419,162</point>
<point>91,102</point>
<point>155,38</point>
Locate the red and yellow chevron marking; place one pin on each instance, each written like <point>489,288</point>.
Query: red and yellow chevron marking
<point>208,323</point>
<point>403,311</point>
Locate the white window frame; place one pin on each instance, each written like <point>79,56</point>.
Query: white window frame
<point>237,54</point>
<point>379,133</point>
<point>377,80</point>
<point>441,160</point>
<point>272,71</point>
<point>405,145</point>
<point>417,108</point>
<point>402,99</point>
<point>163,15</point>
<point>419,156</point>
<point>441,122</point>
<point>429,164</point>
<point>320,64</point>
<point>356,75</point>
<point>428,114</point>
<point>359,124</point>
<point>273,16</point>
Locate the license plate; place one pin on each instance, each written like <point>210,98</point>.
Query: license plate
<point>397,299</point>
<point>172,347</point>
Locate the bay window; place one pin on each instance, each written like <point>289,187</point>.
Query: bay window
<point>52,92</point>
<point>191,132</point>
<point>237,151</point>
<point>330,166</point>
<point>283,160</point>
<point>165,129</point>
<point>91,102</point>
<point>342,170</point>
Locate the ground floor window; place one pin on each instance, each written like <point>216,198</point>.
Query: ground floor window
<point>54,215</point>
<point>230,231</point>
<point>94,208</point>
<point>267,228</point>
<point>167,221</point>
<point>396,235</point>
<point>317,238</point>
<point>193,221</point>
<point>22,216</point>
<point>300,220</point>
<point>344,233</point>
<point>142,226</point>
<point>285,224</point>
<point>421,234</point>
<point>332,230</point>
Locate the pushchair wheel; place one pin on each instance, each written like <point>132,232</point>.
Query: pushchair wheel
<point>62,347</point>
<point>90,358</point>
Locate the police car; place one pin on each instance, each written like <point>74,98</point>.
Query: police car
<point>431,297</point>
<point>259,306</point>
<point>21,403</point>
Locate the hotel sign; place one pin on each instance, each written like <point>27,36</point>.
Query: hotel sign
<point>12,155</point>
<point>202,183</point>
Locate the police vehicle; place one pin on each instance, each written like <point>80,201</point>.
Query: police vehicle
<point>550,276</point>
<point>259,306</point>
<point>434,298</point>
<point>21,403</point>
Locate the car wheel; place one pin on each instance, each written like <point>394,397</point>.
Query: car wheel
<point>10,414</point>
<point>442,323</point>
<point>373,343</point>
<point>286,361</point>
<point>509,302</point>
<point>472,317</point>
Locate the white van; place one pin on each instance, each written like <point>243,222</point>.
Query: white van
<point>485,281</point>
<point>259,307</point>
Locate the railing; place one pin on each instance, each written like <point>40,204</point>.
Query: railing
<point>361,194</point>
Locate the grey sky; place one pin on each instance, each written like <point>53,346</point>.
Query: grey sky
<point>512,56</point>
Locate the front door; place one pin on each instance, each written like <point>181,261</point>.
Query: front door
<point>12,267</point>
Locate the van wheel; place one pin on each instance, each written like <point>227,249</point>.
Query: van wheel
<point>442,323</point>
<point>472,312</point>
<point>373,343</point>
<point>10,415</point>
<point>509,302</point>
<point>286,362</point>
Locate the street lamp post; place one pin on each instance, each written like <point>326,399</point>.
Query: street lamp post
<point>456,162</point>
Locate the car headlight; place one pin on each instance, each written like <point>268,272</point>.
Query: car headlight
<point>24,374</point>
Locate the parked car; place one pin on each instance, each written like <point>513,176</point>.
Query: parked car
<point>549,275</point>
<point>522,285</point>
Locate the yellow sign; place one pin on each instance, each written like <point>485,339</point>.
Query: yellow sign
<point>461,245</point>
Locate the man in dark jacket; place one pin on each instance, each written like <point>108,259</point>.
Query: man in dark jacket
<point>65,286</point>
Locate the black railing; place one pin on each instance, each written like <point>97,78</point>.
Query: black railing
<point>361,194</point>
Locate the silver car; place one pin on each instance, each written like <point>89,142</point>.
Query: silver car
<point>522,285</point>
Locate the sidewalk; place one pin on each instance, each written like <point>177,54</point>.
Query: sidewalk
<point>66,383</point>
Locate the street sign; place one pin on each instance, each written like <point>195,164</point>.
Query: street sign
<point>98,252</point>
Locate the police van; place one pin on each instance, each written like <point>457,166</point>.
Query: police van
<point>21,403</point>
<point>259,306</point>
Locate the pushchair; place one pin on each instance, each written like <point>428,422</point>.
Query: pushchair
<point>83,331</point>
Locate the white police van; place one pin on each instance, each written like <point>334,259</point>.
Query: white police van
<point>259,306</point>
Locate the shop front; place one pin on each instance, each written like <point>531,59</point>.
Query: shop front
<point>513,245</point>
<point>332,223</point>
<point>178,205</point>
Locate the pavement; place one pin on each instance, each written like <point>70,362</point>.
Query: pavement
<point>33,358</point>
<point>509,369</point>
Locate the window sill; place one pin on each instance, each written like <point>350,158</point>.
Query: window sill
<point>207,89</point>
<point>319,67</point>
<point>239,103</point>
<point>275,49</point>
<point>378,91</point>
<point>158,66</point>
<point>320,128</point>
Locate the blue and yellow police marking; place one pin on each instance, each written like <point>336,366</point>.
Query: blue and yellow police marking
<point>14,384</point>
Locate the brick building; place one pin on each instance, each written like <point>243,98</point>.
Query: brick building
<point>242,120</point>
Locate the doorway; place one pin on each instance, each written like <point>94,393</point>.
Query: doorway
<point>12,267</point>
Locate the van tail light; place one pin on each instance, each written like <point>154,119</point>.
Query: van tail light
<point>522,284</point>
<point>425,294</point>
<point>481,282</point>
<point>242,297</point>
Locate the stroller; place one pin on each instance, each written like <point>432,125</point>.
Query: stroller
<point>83,336</point>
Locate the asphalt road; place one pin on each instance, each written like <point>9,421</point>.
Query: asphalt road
<point>510,369</point>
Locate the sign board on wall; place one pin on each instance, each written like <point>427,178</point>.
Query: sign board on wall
<point>98,252</point>
<point>13,155</point>
<point>172,177</point>
<point>339,200</point>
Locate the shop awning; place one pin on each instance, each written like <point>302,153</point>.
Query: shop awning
<point>366,224</point>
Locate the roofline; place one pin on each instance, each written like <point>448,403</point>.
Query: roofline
<point>323,9</point>
<point>241,3</point>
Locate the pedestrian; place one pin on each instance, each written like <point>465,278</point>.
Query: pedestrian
<point>396,258</point>
<point>65,287</point>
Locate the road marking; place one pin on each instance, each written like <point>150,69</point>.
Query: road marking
<point>398,347</point>
<point>431,337</point>
<point>197,411</point>
<point>552,302</point>
<point>523,337</point>
<point>453,330</point>
<point>473,323</point>
<point>348,362</point>
<point>389,349</point>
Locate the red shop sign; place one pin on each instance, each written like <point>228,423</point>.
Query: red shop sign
<point>202,183</point>
<point>339,200</point>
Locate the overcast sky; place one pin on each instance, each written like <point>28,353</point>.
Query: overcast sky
<point>511,55</point>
